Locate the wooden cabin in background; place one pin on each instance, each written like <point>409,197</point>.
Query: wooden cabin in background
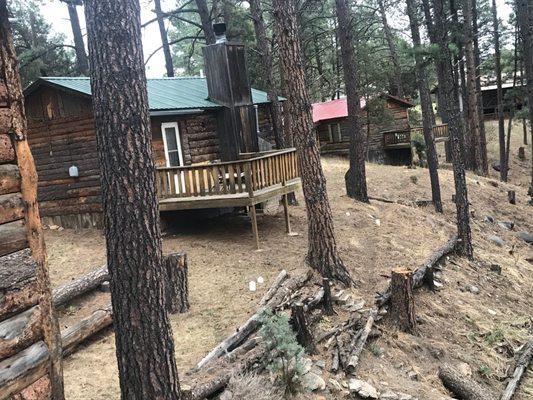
<point>385,120</point>
<point>206,136</point>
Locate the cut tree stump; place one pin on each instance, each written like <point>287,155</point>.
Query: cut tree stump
<point>511,196</point>
<point>522,153</point>
<point>520,368</point>
<point>461,386</point>
<point>177,283</point>
<point>301,327</point>
<point>402,308</point>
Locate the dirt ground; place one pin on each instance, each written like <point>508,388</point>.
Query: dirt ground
<point>456,325</point>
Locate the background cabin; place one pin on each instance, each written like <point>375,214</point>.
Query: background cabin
<point>489,96</point>
<point>206,136</point>
<point>384,119</point>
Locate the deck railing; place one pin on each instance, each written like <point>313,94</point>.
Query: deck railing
<point>439,131</point>
<point>226,178</point>
<point>392,138</point>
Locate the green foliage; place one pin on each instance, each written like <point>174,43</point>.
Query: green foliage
<point>418,142</point>
<point>414,179</point>
<point>485,371</point>
<point>285,355</point>
<point>494,336</point>
<point>40,52</point>
<point>376,350</point>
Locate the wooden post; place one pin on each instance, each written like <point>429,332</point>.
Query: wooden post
<point>286,211</point>
<point>511,195</point>
<point>328,303</point>
<point>301,326</point>
<point>177,283</point>
<point>253,216</point>
<point>402,309</point>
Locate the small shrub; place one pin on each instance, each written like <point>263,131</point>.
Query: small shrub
<point>285,355</point>
<point>252,387</point>
<point>414,179</point>
<point>494,336</point>
<point>418,142</point>
<point>376,350</point>
<point>484,371</point>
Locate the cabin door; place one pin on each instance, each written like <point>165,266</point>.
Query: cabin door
<point>172,142</point>
<point>173,154</point>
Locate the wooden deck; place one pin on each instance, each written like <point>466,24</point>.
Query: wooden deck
<point>253,179</point>
<point>402,139</point>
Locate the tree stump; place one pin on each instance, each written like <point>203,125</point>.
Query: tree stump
<point>177,284</point>
<point>301,327</point>
<point>522,153</point>
<point>511,195</point>
<point>328,303</point>
<point>402,309</point>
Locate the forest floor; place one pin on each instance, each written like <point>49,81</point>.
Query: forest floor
<point>458,324</point>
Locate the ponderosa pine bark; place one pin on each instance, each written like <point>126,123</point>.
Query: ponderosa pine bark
<point>322,254</point>
<point>499,91</point>
<point>82,62</point>
<point>464,245</point>
<point>524,14</point>
<point>205,18</point>
<point>473,100</point>
<point>397,85</point>
<point>143,338</point>
<point>427,107</point>
<point>267,65</point>
<point>356,175</point>
<point>164,38</point>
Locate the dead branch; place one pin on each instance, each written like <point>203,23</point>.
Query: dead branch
<point>520,368</point>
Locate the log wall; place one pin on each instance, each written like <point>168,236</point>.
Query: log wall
<point>30,346</point>
<point>397,119</point>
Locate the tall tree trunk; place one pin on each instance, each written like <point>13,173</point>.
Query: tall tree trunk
<point>427,107</point>
<point>82,62</point>
<point>144,343</point>
<point>464,245</point>
<point>498,71</point>
<point>524,14</point>
<point>475,30</point>
<point>397,85</point>
<point>205,17</point>
<point>267,64</point>
<point>356,175</point>
<point>164,38</point>
<point>473,100</point>
<point>322,252</point>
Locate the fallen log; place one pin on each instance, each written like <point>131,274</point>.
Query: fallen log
<point>520,367</point>
<point>420,273</point>
<point>461,386</point>
<point>79,286</point>
<point>282,276</point>
<point>86,328</point>
<point>253,324</point>
<point>353,358</point>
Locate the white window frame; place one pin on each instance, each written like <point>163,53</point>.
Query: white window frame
<point>174,125</point>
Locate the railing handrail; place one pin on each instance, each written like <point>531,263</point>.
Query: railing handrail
<point>243,161</point>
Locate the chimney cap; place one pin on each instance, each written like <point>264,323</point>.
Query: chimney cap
<point>219,28</point>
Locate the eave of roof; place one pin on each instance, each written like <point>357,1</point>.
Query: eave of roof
<point>164,94</point>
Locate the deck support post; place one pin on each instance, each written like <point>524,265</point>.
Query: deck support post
<point>253,216</point>
<point>286,211</point>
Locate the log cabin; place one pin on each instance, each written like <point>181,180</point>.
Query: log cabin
<point>384,119</point>
<point>206,139</point>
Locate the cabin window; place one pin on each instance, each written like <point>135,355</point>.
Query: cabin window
<point>172,142</point>
<point>334,132</point>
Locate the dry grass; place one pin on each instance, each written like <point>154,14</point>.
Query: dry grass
<point>455,323</point>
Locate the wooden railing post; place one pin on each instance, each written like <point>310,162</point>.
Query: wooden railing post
<point>248,182</point>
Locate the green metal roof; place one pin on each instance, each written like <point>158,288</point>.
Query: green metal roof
<point>177,93</point>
